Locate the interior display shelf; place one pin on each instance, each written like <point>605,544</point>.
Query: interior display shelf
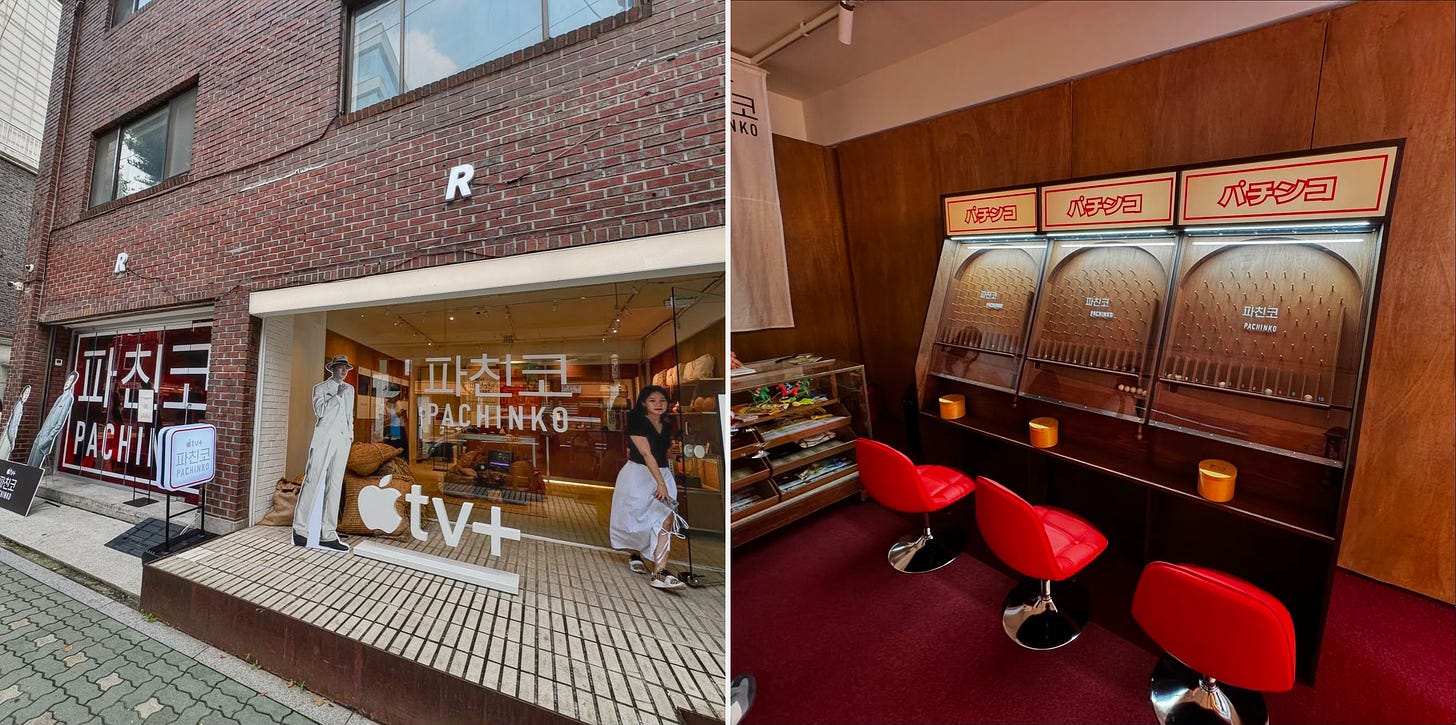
<point>741,421</point>
<point>828,480</point>
<point>802,430</point>
<point>751,478</point>
<point>755,506</point>
<point>812,454</point>
<point>744,443</point>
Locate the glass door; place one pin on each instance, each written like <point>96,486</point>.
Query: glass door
<point>699,333</point>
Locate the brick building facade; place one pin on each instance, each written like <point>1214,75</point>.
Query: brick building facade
<point>609,132</point>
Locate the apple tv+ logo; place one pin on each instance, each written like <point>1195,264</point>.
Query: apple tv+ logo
<point>377,510</point>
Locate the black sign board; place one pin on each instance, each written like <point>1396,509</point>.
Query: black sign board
<point>18,483</point>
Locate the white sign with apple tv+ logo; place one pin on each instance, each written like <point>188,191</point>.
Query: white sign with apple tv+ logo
<point>377,509</point>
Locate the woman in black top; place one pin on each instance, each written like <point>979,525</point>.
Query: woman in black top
<point>644,503</point>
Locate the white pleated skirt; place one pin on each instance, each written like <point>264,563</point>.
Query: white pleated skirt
<point>636,515</point>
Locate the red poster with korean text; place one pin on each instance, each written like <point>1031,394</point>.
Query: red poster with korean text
<point>132,385</point>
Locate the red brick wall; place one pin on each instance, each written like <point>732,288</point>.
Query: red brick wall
<point>612,132</point>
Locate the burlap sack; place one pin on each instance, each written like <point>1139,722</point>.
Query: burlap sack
<point>366,458</point>
<point>699,368</point>
<point>285,498</point>
<point>469,459</point>
<point>350,522</point>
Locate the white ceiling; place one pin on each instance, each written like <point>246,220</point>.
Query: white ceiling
<point>884,32</point>
<point>539,321</point>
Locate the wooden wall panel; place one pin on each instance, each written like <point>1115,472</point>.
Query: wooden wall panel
<point>1245,95</point>
<point>1390,71</point>
<point>819,272</point>
<point>892,183</point>
<point>892,224</point>
<point>974,150</point>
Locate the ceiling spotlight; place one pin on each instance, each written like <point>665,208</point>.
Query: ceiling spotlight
<point>846,20</point>
<point>452,317</point>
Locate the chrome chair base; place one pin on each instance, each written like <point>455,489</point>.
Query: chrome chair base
<point>1181,696</point>
<point>1041,615</point>
<point>923,552</point>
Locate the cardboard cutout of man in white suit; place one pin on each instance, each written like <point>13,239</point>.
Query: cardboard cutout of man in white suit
<point>54,422</point>
<point>317,513</point>
<point>12,428</point>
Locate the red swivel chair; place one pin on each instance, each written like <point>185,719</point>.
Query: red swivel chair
<point>1227,641</point>
<point>897,483</point>
<point>1050,546</point>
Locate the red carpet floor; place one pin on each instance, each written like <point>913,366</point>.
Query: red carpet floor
<point>834,635</point>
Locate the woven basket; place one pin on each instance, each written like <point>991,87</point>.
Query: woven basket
<point>349,520</point>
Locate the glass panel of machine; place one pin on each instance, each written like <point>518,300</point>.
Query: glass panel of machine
<point>1266,336</point>
<point>1094,339</point>
<point>981,334</point>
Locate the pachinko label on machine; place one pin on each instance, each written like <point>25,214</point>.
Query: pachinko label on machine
<point>1266,340</point>
<point>1096,330</point>
<point>985,289</point>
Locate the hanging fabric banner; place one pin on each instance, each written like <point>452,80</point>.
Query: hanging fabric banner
<point>760,266</point>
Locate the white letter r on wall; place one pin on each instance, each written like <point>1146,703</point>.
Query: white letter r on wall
<point>459,184</point>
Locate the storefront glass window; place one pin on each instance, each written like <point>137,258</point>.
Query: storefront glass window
<point>519,402</point>
<point>132,385</point>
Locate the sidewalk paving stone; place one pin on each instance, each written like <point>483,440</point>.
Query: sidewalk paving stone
<point>63,661</point>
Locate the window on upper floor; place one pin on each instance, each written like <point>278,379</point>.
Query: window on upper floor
<point>143,152</point>
<point>123,9</point>
<point>400,45</point>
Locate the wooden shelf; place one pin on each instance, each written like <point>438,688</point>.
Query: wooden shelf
<point>754,445</point>
<point>699,381</point>
<point>827,479</point>
<point>804,430</point>
<point>761,521</point>
<point>799,459</point>
<point>756,508</point>
<point>1113,461</point>
<point>750,479</point>
<point>842,409</point>
<point>740,422</point>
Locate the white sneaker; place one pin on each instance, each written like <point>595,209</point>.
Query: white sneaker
<point>636,565</point>
<point>664,580</point>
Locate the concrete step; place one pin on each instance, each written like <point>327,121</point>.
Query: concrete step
<point>107,499</point>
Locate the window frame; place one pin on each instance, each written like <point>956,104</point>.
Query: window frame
<point>134,7</point>
<point>354,8</point>
<point>114,136</point>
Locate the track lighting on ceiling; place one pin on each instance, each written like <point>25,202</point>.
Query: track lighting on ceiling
<point>846,20</point>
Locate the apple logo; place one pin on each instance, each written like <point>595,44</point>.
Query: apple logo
<point>377,506</point>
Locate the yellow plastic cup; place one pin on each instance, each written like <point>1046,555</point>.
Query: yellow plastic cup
<point>1043,432</point>
<point>1216,479</point>
<point>952,406</point>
